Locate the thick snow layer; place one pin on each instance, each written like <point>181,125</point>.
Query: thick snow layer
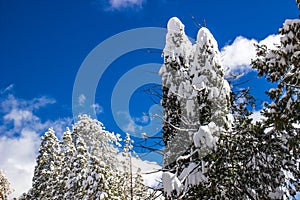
<point>147,167</point>
<point>204,138</point>
<point>171,183</point>
<point>290,23</point>
<point>175,25</point>
<point>192,175</point>
<point>204,37</point>
<point>177,43</point>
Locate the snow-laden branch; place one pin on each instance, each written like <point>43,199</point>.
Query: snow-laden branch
<point>177,128</point>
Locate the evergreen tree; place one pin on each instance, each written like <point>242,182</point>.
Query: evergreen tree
<point>5,188</point>
<point>67,153</point>
<point>131,183</point>
<point>47,168</point>
<point>75,187</point>
<point>126,185</point>
<point>174,73</point>
<point>282,66</point>
<point>139,189</point>
<point>100,143</point>
<point>95,183</point>
<point>194,75</point>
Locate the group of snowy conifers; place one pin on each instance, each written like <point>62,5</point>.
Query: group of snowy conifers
<point>212,149</point>
<point>84,165</point>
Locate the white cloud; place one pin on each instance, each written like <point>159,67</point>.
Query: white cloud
<point>121,4</point>
<point>237,56</point>
<point>18,159</point>
<point>10,102</point>
<point>271,41</point>
<point>81,99</point>
<point>19,116</point>
<point>20,131</point>
<point>129,125</point>
<point>98,108</point>
<point>144,119</point>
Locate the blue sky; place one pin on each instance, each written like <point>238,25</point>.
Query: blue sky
<point>44,43</point>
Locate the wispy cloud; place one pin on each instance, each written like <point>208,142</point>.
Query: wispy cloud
<point>81,99</point>
<point>20,130</point>
<point>237,56</point>
<point>143,119</point>
<point>130,127</point>
<point>98,108</point>
<point>129,124</point>
<point>7,89</point>
<point>112,5</point>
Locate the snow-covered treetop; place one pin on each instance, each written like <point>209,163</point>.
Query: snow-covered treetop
<point>177,43</point>
<point>175,25</point>
<point>100,142</point>
<point>204,37</point>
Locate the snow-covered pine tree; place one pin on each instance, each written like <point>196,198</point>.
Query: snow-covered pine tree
<point>139,187</point>
<point>176,58</point>
<point>67,152</point>
<point>193,75</point>
<point>102,148</point>
<point>78,173</point>
<point>126,185</point>
<point>47,169</point>
<point>96,179</point>
<point>130,183</point>
<point>236,166</point>
<point>282,66</point>
<point>259,161</point>
<point>100,143</point>
<point>5,188</point>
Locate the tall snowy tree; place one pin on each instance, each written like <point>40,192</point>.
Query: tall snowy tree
<point>139,189</point>
<point>176,59</point>
<point>127,173</point>
<point>100,143</point>
<point>47,168</point>
<point>282,66</point>
<point>5,188</point>
<point>97,174</point>
<point>132,185</point>
<point>78,174</point>
<point>67,152</point>
<point>194,76</point>
<point>241,160</point>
